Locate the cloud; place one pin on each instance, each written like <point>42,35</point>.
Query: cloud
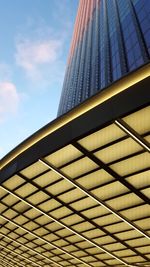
<point>38,53</point>
<point>30,55</point>
<point>9,99</point>
<point>41,48</point>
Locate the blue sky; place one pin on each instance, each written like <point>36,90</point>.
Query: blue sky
<point>34,44</point>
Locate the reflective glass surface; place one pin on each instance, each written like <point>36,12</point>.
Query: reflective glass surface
<point>111,38</point>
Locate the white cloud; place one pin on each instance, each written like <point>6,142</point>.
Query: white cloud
<point>32,55</point>
<point>41,48</point>
<point>9,99</point>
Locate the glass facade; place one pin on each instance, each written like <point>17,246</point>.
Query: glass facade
<point>111,38</point>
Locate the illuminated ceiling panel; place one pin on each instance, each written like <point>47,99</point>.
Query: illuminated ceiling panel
<point>83,203</point>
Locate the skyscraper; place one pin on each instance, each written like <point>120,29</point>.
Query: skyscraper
<point>111,38</point>
<point>76,192</point>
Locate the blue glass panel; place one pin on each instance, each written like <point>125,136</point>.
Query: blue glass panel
<point>142,9</point>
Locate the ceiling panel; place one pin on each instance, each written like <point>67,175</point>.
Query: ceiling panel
<point>85,204</point>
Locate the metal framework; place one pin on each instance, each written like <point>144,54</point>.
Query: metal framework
<point>82,199</point>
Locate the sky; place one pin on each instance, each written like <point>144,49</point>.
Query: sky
<point>35,37</point>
